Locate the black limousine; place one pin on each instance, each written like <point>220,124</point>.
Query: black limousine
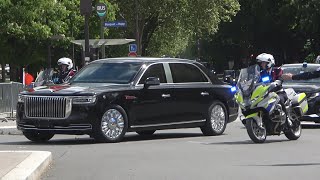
<point>110,97</point>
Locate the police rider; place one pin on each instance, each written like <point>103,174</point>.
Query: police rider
<point>267,63</point>
<point>65,70</point>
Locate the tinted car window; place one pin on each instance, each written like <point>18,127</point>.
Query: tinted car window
<point>119,73</point>
<point>300,69</point>
<point>155,70</point>
<point>182,73</point>
<point>214,78</point>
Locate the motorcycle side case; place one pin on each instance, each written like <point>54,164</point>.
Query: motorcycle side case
<point>300,104</point>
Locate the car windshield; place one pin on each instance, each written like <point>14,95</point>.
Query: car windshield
<point>300,69</point>
<point>110,72</point>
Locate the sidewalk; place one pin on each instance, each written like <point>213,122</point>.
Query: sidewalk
<point>9,128</point>
<point>20,165</point>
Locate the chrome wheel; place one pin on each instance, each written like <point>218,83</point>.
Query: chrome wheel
<point>256,133</point>
<point>112,123</point>
<point>294,132</point>
<point>218,118</point>
<point>297,130</point>
<point>260,132</point>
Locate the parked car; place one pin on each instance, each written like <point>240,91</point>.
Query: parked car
<point>310,87</point>
<point>110,97</point>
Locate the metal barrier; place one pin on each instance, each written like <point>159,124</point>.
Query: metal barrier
<point>9,98</point>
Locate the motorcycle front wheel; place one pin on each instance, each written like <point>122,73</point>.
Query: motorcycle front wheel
<point>257,134</point>
<point>294,132</point>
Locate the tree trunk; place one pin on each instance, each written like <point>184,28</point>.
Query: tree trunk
<point>14,74</point>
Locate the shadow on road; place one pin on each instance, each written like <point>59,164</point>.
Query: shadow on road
<point>87,140</point>
<point>292,164</point>
<point>245,142</point>
<point>311,126</point>
<point>161,136</point>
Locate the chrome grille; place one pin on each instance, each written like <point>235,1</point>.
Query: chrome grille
<point>47,107</point>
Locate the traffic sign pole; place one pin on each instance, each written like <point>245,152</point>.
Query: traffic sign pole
<point>102,37</point>
<point>85,10</point>
<point>101,9</point>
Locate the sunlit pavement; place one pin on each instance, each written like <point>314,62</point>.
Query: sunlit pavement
<point>180,154</point>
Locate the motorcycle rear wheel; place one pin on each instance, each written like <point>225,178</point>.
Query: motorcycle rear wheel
<point>256,133</point>
<point>294,132</point>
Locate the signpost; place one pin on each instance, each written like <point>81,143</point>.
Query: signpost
<point>132,54</point>
<point>132,50</point>
<point>102,11</point>
<point>115,24</point>
<point>132,47</point>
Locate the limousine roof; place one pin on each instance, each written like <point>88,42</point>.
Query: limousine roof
<point>143,59</point>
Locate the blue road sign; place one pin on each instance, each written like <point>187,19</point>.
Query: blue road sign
<point>115,24</point>
<point>133,48</point>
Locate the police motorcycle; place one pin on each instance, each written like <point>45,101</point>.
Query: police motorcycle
<point>48,77</point>
<point>260,105</point>
<point>45,77</point>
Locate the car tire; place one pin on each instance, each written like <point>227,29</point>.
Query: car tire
<point>217,119</point>
<point>38,136</point>
<point>146,132</point>
<point>111,126</point>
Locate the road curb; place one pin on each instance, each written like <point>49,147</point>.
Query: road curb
<point>9,130</point>
<point>32,167</point>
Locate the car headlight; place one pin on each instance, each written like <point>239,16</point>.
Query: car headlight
<point>21,98</point>
<point>84,99</point>
<point>314,95</point>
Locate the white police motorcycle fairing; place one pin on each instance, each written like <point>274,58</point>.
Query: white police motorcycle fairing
<point>260,105</point>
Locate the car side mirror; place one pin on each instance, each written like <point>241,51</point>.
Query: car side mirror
<point>152,81</point>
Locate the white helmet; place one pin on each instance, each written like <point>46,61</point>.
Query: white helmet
<point>264,57</point>
<point>65,61</point>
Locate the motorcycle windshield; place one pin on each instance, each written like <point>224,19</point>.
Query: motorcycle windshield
<point>248,78</point>
<point>44,78</point>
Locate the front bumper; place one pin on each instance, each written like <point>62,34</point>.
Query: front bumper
<point>79,121</point>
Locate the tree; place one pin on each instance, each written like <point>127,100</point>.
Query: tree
<point>165,22</point>
<point>29,28</point>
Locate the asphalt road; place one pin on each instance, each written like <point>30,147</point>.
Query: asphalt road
<point>180,154</point>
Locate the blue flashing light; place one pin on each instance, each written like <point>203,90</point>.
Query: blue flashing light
<point>266,79</point>
<point>233,89</point>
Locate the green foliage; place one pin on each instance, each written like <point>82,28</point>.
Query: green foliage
<point>289,29</point>
<point>28,27</point>
<point>167,26</point>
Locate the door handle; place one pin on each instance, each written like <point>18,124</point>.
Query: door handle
<point>166,95</point>
<point>204,93</point>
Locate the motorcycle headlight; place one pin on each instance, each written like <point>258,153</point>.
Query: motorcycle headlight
<point>21,98</point>
<point>84,99</point>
